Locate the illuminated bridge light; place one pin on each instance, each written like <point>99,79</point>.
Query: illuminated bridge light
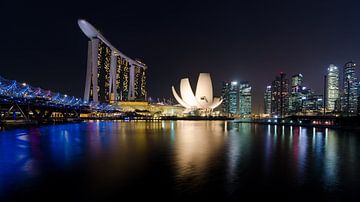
<point>12,91</point>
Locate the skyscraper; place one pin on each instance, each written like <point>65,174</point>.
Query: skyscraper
<point>295,98</point>
<point>296,82</point>
<point>267,100</point>
<point>280,95</point>
<point>332,87</point>
<point>224,94</point>
<point>245,99</point>
<point>350,86</point>
<point>233,96</point>
<point>111,76</point>
<point>230,95</point>
<point>236,98</point>
<point>358,105</point>
<point>312,103</point>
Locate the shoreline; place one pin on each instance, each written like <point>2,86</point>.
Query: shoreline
<point>18,124</point>
<point>309,123</point>
<point>192,118</point>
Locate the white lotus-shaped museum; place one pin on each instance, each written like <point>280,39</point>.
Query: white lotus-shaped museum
<point>203,98</point>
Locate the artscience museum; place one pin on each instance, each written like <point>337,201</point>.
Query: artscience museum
<point>202,99</point>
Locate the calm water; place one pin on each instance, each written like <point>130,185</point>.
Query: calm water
<point>99,161</point>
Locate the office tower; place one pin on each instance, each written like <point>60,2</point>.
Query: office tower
<point>245,98</point>
<point>236,98</point>
<point>296,82</point>
<point>332,87</point>
<point>230,95</point>
<point>358,100</point>
<point>312,103</point>
<point>280,95</point>
<point>267,100</point>
<point>309,102</point>
<point>224,94</point>
<point>233,97</point>
<point>296,94</point>
<point>350,88</point>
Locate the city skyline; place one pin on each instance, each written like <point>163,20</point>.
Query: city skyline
<point>179,100</point>
<point>296,42</point>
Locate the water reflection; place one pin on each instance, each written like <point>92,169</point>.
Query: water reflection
<point>196,146</point>
<point>238,148</point>
<point>183,157</point>
<point>331,160</point>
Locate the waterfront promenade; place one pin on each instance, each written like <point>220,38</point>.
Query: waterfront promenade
<point>335,122</point>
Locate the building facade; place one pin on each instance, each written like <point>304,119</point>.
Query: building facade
<point>280,95</point>
<point>296,94</point>
<point>267,100</point>
<point>237,98</point>
<point>312,103</point>
<point>350,90</point>
<point>332,88</point>
<point>296,82</point>
<point>224,94</point>
<point>233,97</point>
<point>245,103</point>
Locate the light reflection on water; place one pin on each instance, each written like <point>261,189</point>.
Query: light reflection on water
<point>183,157</point>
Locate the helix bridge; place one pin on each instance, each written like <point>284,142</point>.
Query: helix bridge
<point>38,103</point>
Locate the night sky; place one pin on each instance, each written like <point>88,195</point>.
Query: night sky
<point>42,44</point>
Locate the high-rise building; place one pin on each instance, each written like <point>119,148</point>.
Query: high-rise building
<point>245,99</point>
<point>111,76</point>
<point>236,98</point>
<point>233,97</point>
<point>332,87</point>
<point>309,102</point>
<point>296,82</point>
<point>312,103</point>
<point>295,101</point>
<point>224,94</point>
<point>358,105</point>
<point>296,94</point>
<point>267,100</point>
<point>230,95</point>
<point>350,88</point>
<point>280,95</point>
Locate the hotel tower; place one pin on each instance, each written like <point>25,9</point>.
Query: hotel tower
<point>111,76</point>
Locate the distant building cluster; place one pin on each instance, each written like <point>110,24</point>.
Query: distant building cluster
<point>291,97</point>
<point>236,98</point>
<point>113,77</point>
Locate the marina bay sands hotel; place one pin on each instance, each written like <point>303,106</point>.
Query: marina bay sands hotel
<point>111,76</point>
